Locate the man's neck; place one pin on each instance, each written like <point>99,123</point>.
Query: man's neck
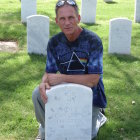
<point>74,36</point>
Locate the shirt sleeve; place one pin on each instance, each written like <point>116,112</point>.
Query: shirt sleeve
<point>51,65</point>
<point>95,63</point>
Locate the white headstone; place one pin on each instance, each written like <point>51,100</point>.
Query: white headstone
<point>120,35</point>
<point>88,11</point>
<point>68,113</point>
<point>137,11</point>
<point>37,34</point>
<point>28,8</point>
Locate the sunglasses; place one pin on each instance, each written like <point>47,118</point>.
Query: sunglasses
<point>62,2</point>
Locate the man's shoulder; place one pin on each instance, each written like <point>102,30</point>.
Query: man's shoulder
<point>90,34</point>
<point>56,40</point>
<point>91,37</point>
<point>57,37</point>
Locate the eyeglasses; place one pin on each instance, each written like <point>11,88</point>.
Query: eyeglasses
<point>62,2</point>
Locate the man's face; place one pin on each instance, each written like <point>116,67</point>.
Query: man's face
<point>67,19</point>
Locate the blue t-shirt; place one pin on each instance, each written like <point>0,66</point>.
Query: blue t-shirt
<point>82,56</point>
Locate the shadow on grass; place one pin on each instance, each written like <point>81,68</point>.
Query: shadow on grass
<point>91,24</point>
<point>112,2</point>
<point>125,58</point>
<point>13,32</point>
<point>115,60</point>
<point>8,30</point>
<point>123,116</point>
<point>11,16</point>
<point>11,28</point>
<point>136,34</point>
<point>19,75</point>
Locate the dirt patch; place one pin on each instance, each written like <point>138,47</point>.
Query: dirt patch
<point>6,46</point>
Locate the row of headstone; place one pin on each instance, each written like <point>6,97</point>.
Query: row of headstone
<point>38,35</point>
<point>37,27</point>
<point>88,10</point>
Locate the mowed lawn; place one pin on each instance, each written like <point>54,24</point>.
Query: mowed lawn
<point>20,73</point>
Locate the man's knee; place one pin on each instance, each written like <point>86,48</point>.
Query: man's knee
<point>35,94</point>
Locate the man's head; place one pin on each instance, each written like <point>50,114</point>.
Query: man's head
<point>61,3</point>
<point>67,17</point>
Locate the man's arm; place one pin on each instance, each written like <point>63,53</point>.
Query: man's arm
<point>89,80</point>
<point>48,80</point>
<point>43,86</point>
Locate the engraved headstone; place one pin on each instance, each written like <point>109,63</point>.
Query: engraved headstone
<point>28,8</point>
<point>120,35</point>
<point>68,113</point>
<point>37,34</point>
<point>137,11</point>
<point>88,11</point>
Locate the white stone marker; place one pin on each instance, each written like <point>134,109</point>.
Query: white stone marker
<point>137,11</point>
<point>68,113</point>
<point>28,8</point>
<point>88,11</point>
<point>120,35</point>
<point>37,34</point>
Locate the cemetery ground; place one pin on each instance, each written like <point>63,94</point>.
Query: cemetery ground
<point>20,73</point>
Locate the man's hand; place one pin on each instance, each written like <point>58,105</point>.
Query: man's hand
<point>42,90</point>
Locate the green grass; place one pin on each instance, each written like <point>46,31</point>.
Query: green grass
<point>20,73</point>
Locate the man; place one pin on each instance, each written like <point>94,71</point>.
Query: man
<point>73,56</point>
